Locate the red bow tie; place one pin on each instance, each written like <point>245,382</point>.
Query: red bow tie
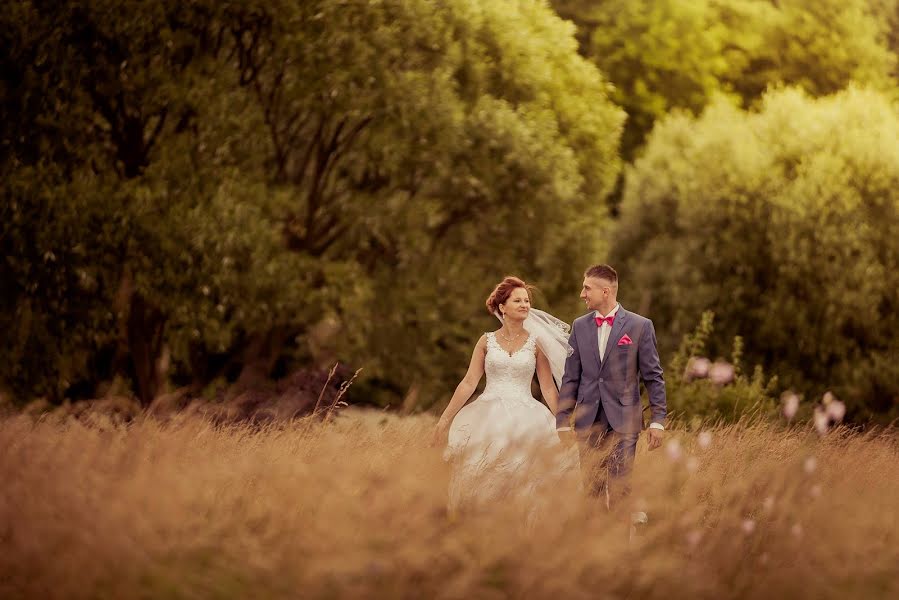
<point>601,320</point>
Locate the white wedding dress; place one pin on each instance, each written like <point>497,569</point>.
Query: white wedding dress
<point>505,443</point>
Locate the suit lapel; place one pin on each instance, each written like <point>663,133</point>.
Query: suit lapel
<point>614,335</point>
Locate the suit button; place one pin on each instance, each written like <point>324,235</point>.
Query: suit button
<point>601,380</point>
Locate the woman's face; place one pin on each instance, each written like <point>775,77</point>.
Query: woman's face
<point>517,306</point>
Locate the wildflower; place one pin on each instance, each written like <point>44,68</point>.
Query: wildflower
<point>822,421</point>
<point>697,368</point>
<point>673,450</point>
<point>722,373</point>
<point>836,410</point>
<point>748,526</point>
<point>704,439</point>
<point>790,404</point>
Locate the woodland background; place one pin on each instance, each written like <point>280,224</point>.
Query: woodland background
<point>207,199</point>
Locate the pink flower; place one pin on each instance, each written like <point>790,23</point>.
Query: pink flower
<point>697,368</point>
<point>722,373</point>
<point>822,421</point>
<point>790,404</point>
<point>836,410</point>
<point>748,526</point>
<point>673,450</point>
<point>704,439</point>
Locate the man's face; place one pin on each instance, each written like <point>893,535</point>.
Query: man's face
<point>596,293</point>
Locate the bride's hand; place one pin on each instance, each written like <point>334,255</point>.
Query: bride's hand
<point>440,434</point>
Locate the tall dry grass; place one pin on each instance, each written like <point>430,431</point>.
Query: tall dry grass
<point>356,508</point>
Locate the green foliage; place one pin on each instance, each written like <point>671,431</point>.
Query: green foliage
<point>485,137</point>
<point>52,279</point>
<point>668,54</point>
<point>132,228</point>
<point>821,47</point>
<point>538,159</point>
<point>222,183</point>
<point>782,222</point>
<point>702,401</point>
<point>205,191</point>
<point>659,54</point>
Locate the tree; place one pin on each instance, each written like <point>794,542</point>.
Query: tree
<point>887,11</point>
<point>132,200</point>
<point>660,56</point>
<point>821,47</point>
<point>87,97</point>
<point>781,221</point>
<point>666,55</point>
<point>244,173</point>
<point>478,156</point>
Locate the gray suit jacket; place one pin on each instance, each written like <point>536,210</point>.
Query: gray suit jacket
<point>613,382</point>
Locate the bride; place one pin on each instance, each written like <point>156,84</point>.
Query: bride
<point>500,443</point>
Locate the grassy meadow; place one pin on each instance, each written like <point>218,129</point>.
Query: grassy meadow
<point>183,508</point>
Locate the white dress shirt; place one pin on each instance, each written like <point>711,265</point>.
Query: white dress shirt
<point>604,331</point>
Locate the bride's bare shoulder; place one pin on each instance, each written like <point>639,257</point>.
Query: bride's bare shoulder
<point>480,348</point>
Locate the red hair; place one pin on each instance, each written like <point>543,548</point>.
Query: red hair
<point>503,290</point>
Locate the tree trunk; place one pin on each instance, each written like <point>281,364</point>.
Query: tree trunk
<point>260,356</point>
<point>145,327</point>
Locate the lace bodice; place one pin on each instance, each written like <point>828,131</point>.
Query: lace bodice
<point>509,376</point>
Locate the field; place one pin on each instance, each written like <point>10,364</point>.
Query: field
<point>357,508</point>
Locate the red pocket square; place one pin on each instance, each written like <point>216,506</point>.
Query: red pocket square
<point>625,340</point>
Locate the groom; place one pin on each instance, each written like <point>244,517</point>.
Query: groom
<point>599,400</point>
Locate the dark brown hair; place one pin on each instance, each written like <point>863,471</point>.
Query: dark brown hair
<point>503,290</point>
<point>602,272</point>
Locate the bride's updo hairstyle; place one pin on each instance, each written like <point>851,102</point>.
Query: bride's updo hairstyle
<point>503,290</point>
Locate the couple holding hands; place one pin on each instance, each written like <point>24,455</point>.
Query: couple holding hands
<point>589,376</point>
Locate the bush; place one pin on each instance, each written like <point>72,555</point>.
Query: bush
<point>700,391</point>
<point>782,222</point>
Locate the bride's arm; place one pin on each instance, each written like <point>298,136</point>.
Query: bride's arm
<point>467,386</point>
<point>547,385</point>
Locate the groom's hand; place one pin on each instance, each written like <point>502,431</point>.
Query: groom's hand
<point>655,437</point>
<point>566,436</point>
